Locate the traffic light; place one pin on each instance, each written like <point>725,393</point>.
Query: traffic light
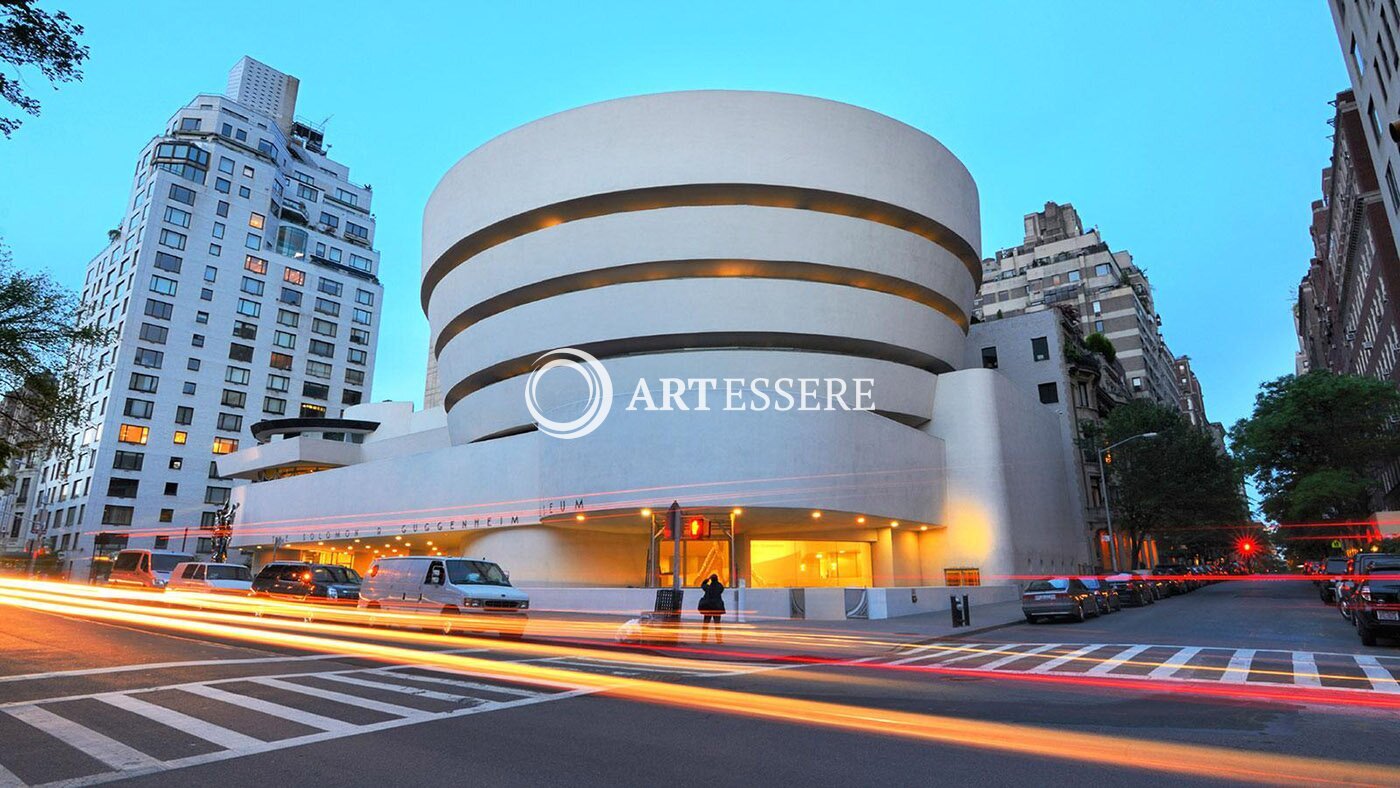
<point>697,528</point>
<point>1108,458</point>
<point>1246,546</point>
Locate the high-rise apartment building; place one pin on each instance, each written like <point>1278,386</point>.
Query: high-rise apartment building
<point>1345,319</point>
<point>1060,263</point>
<point>240,286</point>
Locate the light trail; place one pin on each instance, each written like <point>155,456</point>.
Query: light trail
<point>1101,749</point>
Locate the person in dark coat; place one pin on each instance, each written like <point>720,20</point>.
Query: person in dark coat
<point>711,607</point>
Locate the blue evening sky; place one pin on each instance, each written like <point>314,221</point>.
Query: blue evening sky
<point>1192,133</point>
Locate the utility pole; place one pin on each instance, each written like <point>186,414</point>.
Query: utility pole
<point>673,521</point>
<point>1103,485</point>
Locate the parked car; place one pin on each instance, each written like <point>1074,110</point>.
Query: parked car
<point>1333,570</point>
<point>1177,576</point>
<point>466,594</point>
<point>1161,589</point>
<point>209,577</point>
<point>145,568</point>
<point>1058,597</point>
<point>1105,596</point>
<point>1375,609</point>
<point>1344,588</point>
<point>1131,589</point>
<point>300,581</point>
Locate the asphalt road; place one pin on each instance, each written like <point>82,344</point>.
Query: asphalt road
<point>81,702</point>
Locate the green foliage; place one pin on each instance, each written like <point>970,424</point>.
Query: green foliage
<point>1176,487</point>
<point>1098,343</point>
<point>41,350</point>
<point>47,42</point>
<point>1313,446</point>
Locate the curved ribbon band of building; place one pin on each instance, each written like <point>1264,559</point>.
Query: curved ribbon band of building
<point>777,288</point>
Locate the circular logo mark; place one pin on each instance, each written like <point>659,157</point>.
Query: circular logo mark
<point>600,392</point>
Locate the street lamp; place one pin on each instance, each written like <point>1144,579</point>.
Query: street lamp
<point>1103,487</point>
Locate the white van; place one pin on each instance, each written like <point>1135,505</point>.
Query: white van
<point>450,588</point>
<point>212,578</point>
<point>145,568</point>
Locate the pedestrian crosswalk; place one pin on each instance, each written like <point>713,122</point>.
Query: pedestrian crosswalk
<point>1313,669</point>
<point>99,737</point>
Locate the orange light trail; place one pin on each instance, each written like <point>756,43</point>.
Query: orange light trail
<point>1026,740</point>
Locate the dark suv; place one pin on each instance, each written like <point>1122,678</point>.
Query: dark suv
<point>300,581</point>
<point>1375,605</point>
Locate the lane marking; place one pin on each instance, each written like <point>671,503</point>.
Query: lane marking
<point>1109,664</point>
<point>119,756</point>
<point>967,649</point>
<point>1305,672</point>
<point>1174,663</point>
<point>996,663</point>
<point>341,697</point>
<point>1379,676</point>
<point>1237,671</point>
<point>229,740</point>
<point>400,688</point>
<point>1050,665</point>
<point>458,682</point>
<point>276,710</point>
<point>982,653</point>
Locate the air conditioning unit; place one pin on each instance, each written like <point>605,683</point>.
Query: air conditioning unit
<point>1367,345</point>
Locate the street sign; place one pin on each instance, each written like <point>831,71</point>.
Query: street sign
<point>1337,543</point>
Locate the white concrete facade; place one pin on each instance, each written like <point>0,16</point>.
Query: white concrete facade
<point>711,234</point>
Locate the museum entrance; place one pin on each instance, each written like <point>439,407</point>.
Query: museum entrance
<point>706,548</point>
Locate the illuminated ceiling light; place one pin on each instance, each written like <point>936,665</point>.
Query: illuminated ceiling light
<point>398,538</point>
<point>737,512</point>
<point>646,512</point>
<point>578,517</point>
<point>816,515</point>
<point>894,523</point>
<point>357,540</point>
<point>430,541</point>
<point>320,543</point>
<point>860,520</point>
<point>923,528</point>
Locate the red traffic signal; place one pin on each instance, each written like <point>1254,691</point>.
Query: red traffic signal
<point>697,528</point>
<point>1246,546</point>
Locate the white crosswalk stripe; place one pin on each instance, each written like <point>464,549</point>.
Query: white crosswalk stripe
<point>1063,659</point>
<point>1237,671</point>
<point>994,664</point>
<point>1379,676</point>
<point>1305,673</point>
<point>229,740</point>
<point>108,750</point>
<point>1109,664</point>
<point>1175,663</point>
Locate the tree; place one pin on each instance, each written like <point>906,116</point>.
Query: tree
<point>1102,345</point>
<point>1176,487</point>
<point>1315,445</point>
<point>44,342</point>
<point>48,42</point>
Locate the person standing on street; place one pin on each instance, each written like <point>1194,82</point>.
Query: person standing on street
<point>711,607</point>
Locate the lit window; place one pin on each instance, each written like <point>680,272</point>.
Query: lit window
<point>181,437</point>
<point>255,264</point>
<point>256,221</point>
<point>294,276</point>
<point>132,433</point>
<point>225,445</point>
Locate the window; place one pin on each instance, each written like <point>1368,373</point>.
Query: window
<point>323,327</point>
<point>222,185</point>
<point>117,515</point>
<point>217,495</point>
<point>249,308</point>
<point>167,515</point>
<point>355,356</point>
<point>330,220</point>
<point>177,217</point>
<point>360,316</point>
<point>284,339</point>
<point>225,446</point>
<point>245,330</point>
<point>356,233</point>
<point>330,286</point>
<point>154,334</point>
<point>288,318</point>
<point>128,460</point>
<point>230,422</point>
<point>1357,59</point>
<point>317,369</point>
<point>1049,393</point>
<point>211,274</point>
<point>184,414</point>
<point>172,239</point>
<point>307,193</point>
<point>133,433</point>
<point>222,209</point>
<point>347,197</point>
<point>197,340</point>
<point>201,317</point>
<point>189,387</point>
<point>145,357</point>
<point>160,310</point>
<point>1098,326</point>
<point>1391,185</point>
<point>989,358</point>
<point>206,294</point>
<point>176,463</point>
<point>291,241</point>
<point>237,375</point>
<point>160,284</point>
<point>181,194</point>
<point>355,377</point>
<point>1103,269</point>
<point>327,307</point>
<point>255,264</point>
<point>280,361</point>
<point>357,262</point>
<point>1040,348</point>
<point>294,276</point>
<point>138,408</point>
<point>252,241</point>
<point>252,286</point>
<point>359,336</point>
<point>146,383</point>
<point>256,220</point>
<point>122,488</point>
<point>1137,384</point>
<point>167,262</point>
<point>278,382</point>
<point>315,390</point>
<point>290,296</point>
<point>275,406</point>
<point>350,397</point>
<point>1097,308</point>
<point>310,411</point>
<point>239,352</point>
<point>320,348</point>
<point>233,399</point>
<point>364,297</point>
<point>226,165</point>
<point>247,171</point>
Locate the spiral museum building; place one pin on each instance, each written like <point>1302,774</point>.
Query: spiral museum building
<point>705,247</point>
